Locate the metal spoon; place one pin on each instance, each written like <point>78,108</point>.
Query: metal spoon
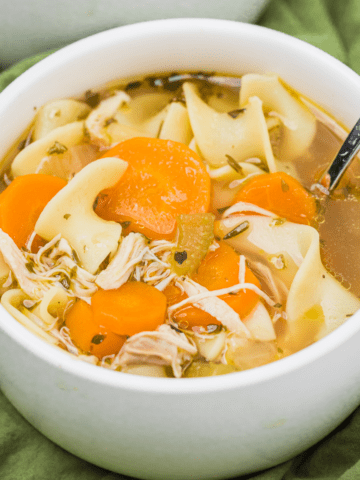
<point>344,157</point>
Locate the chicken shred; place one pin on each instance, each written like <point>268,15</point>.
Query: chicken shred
<point>130,253</point>
<point>53,265</point>
<point>212,305</point>
<point>164,346</point>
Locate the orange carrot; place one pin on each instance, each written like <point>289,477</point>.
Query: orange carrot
<point>88,335</point>
<point>187,316</point>
<point>281,194</point>
<point>130,309</point>
<point>219,269</point>
<point>163,180</point>
<point>22,202</point>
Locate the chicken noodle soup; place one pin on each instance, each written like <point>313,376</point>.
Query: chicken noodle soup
<point>170,226</point>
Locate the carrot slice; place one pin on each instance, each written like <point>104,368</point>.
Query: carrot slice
<point>187,316</point>
<point>281,194</point>
<point>163,180</point>
<point>130,309</point>
<point>88,335</point>
<point>219,269</point>
<point>22,202</point>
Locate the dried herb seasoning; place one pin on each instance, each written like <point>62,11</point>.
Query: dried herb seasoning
<point>133,86</point>
<point>109,121</point>
<point>92,98</point>
<point>236,113</point>
<point>57,148</point>
<point>97,339</point>
<point>30,266</point>
<point>65,282</point>
<point>234,165</point>
<point>180,257</point>
<point>237,230</point>
<point>222,209</point>
<point>67,216</point>
<point>126,224</point>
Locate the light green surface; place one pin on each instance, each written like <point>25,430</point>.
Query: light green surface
<point>333,26</point>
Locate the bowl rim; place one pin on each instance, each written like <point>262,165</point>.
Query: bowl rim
<point>118,380</point>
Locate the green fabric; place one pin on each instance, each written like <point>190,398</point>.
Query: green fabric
<point>333,26</point>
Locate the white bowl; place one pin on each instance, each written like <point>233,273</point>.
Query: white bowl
<point>27,28</point>
<point>187,428</point>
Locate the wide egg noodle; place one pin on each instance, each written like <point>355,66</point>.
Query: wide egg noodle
<point>145,112</point>
<point>71,213</point>
<point>12,301</point>
<point>176,126</point>
<point>142,116</point>
<point>57,113</point>
<point>28,160</point>
<point>300,124</point>
<point>218,134</point>
<point>311,287</point>
<point>260,325</point>
<point>52,305</point>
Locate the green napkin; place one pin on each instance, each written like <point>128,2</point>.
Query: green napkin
<point>25,454</point>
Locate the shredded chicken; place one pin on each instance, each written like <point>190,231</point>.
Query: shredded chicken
<point>164,346</point>
<point>130,253</point>
<point>53,265</point>
<point>208,301</point>
<point>242,269</point>
<point>105,111</point>
<point>273,286</point>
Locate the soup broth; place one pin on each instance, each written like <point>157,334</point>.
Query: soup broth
<point>174,226</point>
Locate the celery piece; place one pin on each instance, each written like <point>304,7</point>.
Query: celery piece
<point>195,235</point>
<point>204,369</point>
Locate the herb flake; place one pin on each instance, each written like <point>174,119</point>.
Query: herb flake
<point>236,113</point>
<point>180,257</point>
<point>222,209</point>
<point>234,165</point>
<point>67,216</point>
<point>237,230</point>
<point>30,267</point>
<point>57,148</point>
<point>92,98</point>
<point>97,339</point>
<point>125,225</point>
<point>133,85</point>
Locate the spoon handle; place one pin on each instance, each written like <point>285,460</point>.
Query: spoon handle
<point>347,152</point>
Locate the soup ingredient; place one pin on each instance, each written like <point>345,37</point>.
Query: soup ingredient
<point>164,179</point>
<point>22,202</point>
<point>130,309</point>
<point>280,193</point>
<point>164,346</point>
<point>88,335</point>
<point>71,214</point>
<point>58,113</point>
<point>188,316</point>
<point>219,269</point>
<point>195,235</point>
